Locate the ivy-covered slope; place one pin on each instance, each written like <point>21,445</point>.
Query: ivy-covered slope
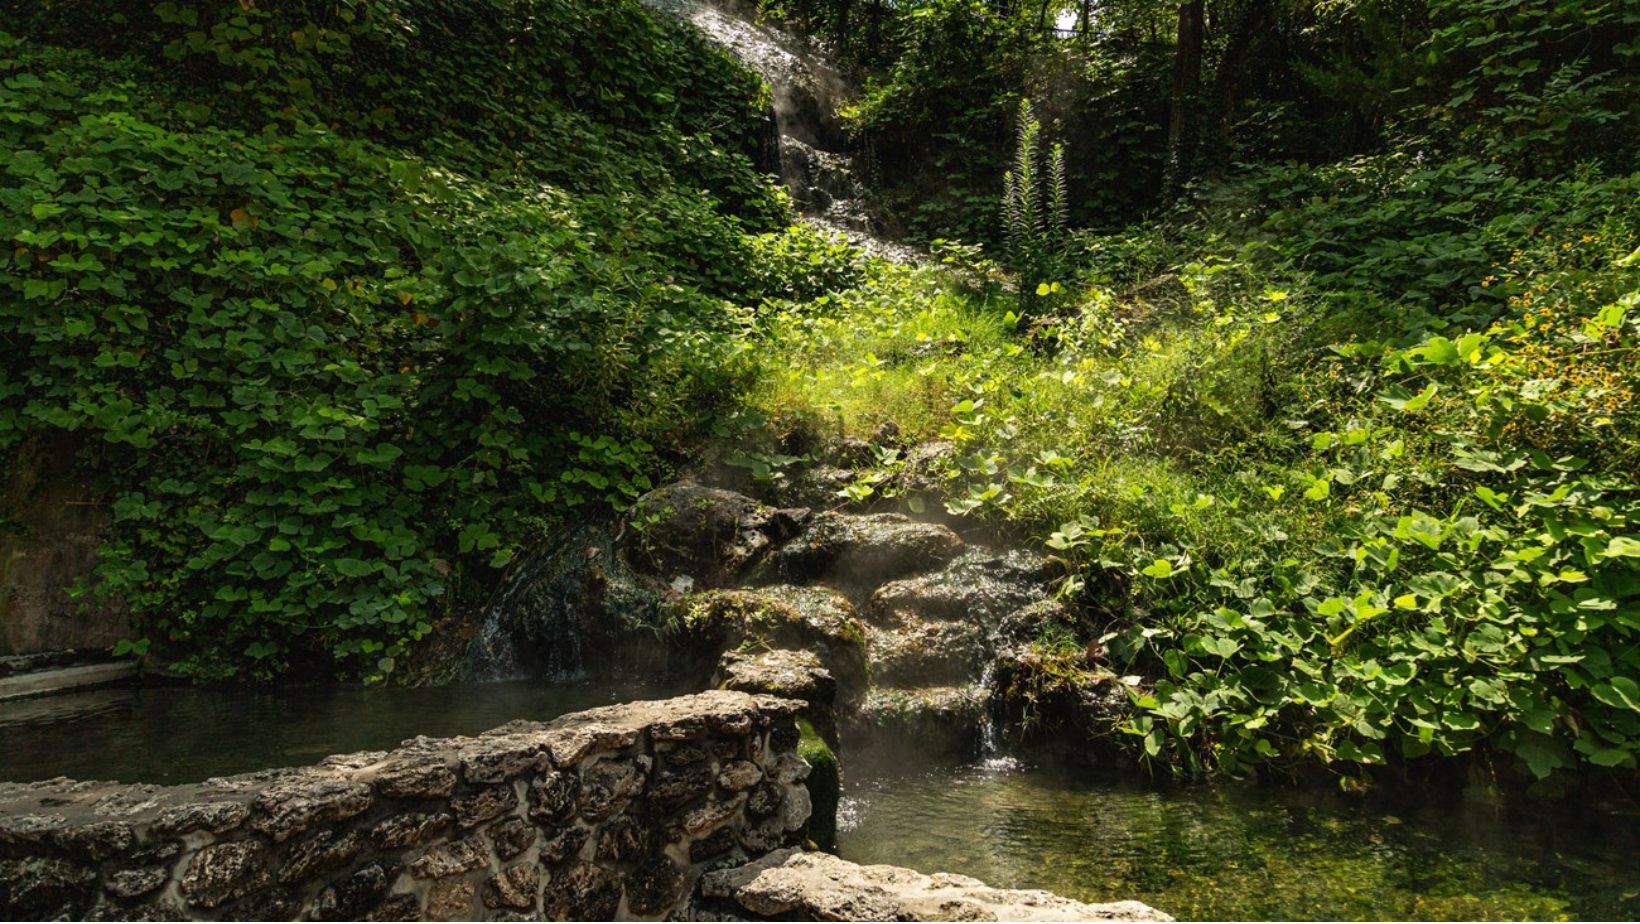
<point>341,299</point>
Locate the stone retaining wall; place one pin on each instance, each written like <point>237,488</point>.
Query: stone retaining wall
<point>615,812</point>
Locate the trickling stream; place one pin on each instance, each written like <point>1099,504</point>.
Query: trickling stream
<point>815,163</point>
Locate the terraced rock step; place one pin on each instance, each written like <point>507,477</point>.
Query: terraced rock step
<point>894,622</point>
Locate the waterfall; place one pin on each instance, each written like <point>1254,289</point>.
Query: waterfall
<point>493,654</point>
<point>814,161</point>
<point>991,757</point>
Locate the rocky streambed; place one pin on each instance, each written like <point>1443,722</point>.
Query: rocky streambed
<point>885,625</point>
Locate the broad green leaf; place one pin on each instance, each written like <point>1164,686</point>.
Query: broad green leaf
<point>1159,569</point>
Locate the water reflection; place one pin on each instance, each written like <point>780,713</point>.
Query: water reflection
<point>183,734</point>
<point>1228,852</point>
<point>1246,852</point>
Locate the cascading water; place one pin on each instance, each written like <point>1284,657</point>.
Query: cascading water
<point>991,756</point>
<point>492,654</point>
<point>814,162</point>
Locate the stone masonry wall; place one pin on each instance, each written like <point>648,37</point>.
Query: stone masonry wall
<point>610,813</point>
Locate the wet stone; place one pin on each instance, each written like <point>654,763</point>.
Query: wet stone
<point>784,736</point>
<point>157,910</point>
<point>215,817</point>
<point>450,899</point>
<point>570,746</point>
<point>684,755</point>
<point>739,775</point>
<point>765,836</point>
<point>656,887</point>
<point>583,892</point>
<point>552,797</point>
<point>716,844</point>
<point>607,786</point>
<point>707,534</point>
<point>789,768</point>
<point>416,781</point>
<point>448,859</point>
<point>28,829</point>
<point>674,789</point>
<point>514,887</point>
<point>129,884</point>
<point>42,887</point>
<point>781,672</point>
<point>221,872</point>
<point>319,854</point>
<point>729,748</point>
<point>765,800</point>
<point>351,898</point>
<point>278,904</point>
<point>712,815</point>
<point>496,761</point>
<point>864,550</point>
<point>622,839</point>
<point>484,805</point>
<point>511,837</point>
<point>98,841</point>
<point>408,829</point>
<point>565,844</point>
<point>685,729</point>
<point>285,810</point>
<point>737,724</point>
<point>396,908</point>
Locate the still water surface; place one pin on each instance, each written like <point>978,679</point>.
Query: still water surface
<point>187,734</point>
<point>1228,852</point>
<point>1244,852</point>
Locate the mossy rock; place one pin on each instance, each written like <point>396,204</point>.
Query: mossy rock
<point>825,785</point>
<point>776,618</point>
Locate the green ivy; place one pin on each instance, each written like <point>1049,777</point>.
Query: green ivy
<point>322,369</point>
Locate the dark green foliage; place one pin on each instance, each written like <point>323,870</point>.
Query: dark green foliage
<point>330,340</point>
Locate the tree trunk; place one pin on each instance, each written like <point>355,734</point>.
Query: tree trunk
<point>1244,36</point>
<point>1187,78</point>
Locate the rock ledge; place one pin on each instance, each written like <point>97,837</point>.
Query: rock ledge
<point>790,885</point>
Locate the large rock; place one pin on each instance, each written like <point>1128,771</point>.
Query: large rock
<point>788,674</point>
<point>782,672</point>
<point>916,653</point>
<point>688,535</point>
<point>942,718</point>
<point>790,885</point>
<point>859,552</point>
<point>808,618</point>
<point>980,587</point>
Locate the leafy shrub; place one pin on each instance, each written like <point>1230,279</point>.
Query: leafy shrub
<point>322,374</point>
<point>1035,207</point>
<point>1355,551</point>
